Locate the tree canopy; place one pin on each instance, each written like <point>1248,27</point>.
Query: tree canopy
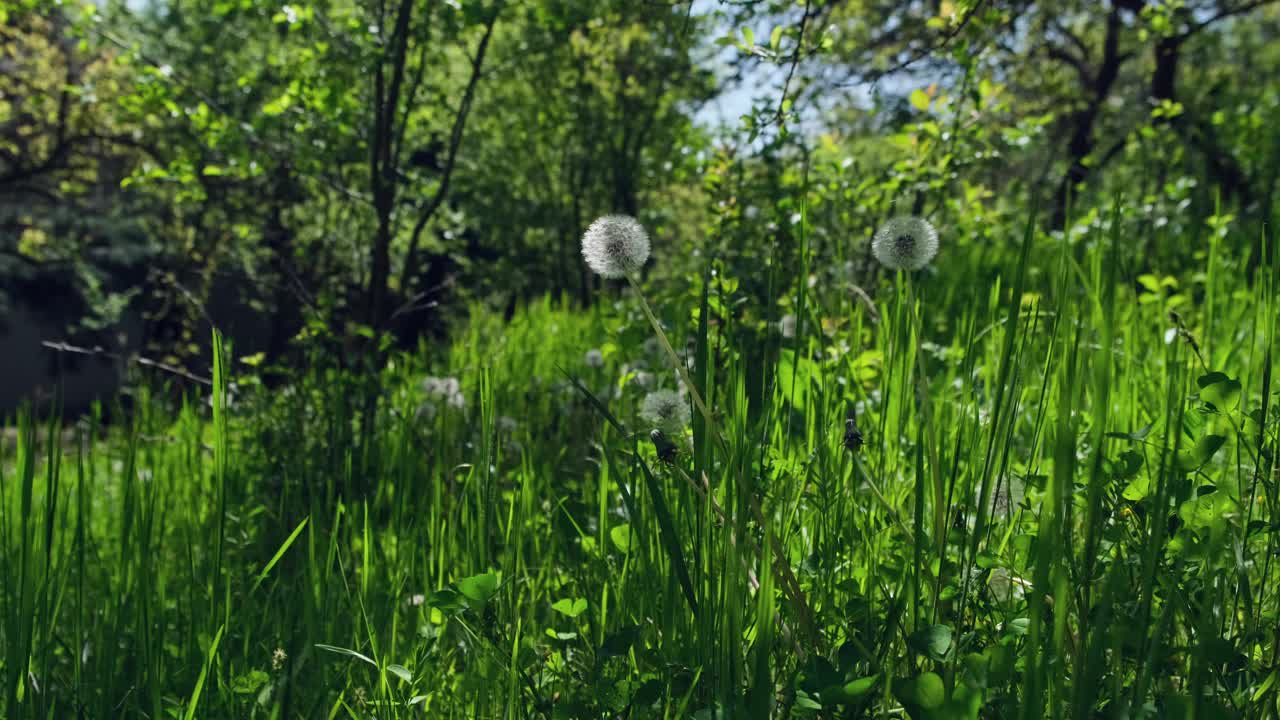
<point>356,168</point>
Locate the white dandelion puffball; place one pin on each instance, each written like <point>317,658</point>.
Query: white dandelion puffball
<point>787,326</point>
<point>615,245</point>
<point>594,358</point>
<point>905,243</point>
<point>666,410</point>
<point>441,386</point>
<point>1006,586</point>
<point>445,388</point>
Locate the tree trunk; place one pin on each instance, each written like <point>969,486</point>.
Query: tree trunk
<point>1223,169</point>
<point>1098,89</point>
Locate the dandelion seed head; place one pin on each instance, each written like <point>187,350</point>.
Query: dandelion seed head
<point>615,245</point>
<point>594,358</point>
<point>666,410</point>
<point>446,388</point>
<point>441,386</point>
<point>905,243</point>
<point>787,326</point>
<point>1005,586</point>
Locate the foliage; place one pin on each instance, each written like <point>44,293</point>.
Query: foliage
<point>1035,478</point>
<point>1064,504</point>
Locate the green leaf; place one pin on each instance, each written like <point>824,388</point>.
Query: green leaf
<point>279,553</point>
<point>667,533</point>
<point>277,106</point>
<point>804,702</point>
<point>853,691</point>
<point>920,100</point>
<point>595,401</point>
<point>1127,465</point>
<point>210,654</point>
<point>1137,489</point>
<point>621,537</point>
<point>248,683</point>
<point>648,693</point>
<point>794,379</point>
<point>479,588</point>
<point>920,694</point>
<point>1218,389</point>
<point>1197,457</point>
<point>573,607</point>
<point>1138,435</point>
<point>348,652</point>
<point>1018,627</point>
<point>775,38</point>
<point>933,641</point>
<point>401,672</point>
<point>1206,510</point>
<point>619,643</point>
<point>445,600</point>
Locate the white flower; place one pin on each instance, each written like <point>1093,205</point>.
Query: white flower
<point>615,245</point>
<point>441,387</point>
<point>594,358</point>
<point>665,409</point>
<point>905,243</point>
<point>1005,586</point>
<point>447,388</point>
<point>1008,498</point>
<point>787,326</point>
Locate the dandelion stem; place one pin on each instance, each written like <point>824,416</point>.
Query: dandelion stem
<point>675,359</point>
<point>926,409</point>
<point>781,568</point>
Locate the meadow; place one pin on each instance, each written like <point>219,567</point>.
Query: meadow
<point>1034,478</point>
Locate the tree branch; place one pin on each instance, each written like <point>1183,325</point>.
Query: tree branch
<point>455,143</point>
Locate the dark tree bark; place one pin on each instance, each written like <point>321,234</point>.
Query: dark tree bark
<point>1224,169</point>
<point>413,263</point>
<point>384,162</point>
<point>1098,86</point>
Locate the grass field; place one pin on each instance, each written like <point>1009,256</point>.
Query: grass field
<point>1062,504</point>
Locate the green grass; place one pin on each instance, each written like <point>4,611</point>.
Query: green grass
<point>1065,507</point>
